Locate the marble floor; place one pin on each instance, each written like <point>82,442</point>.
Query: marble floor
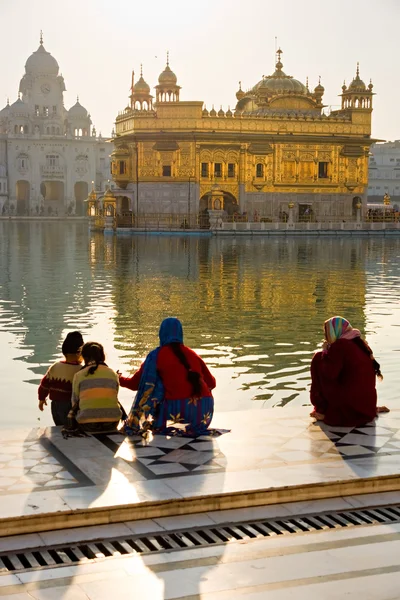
<point>354,563</point>
<point>278,454</point>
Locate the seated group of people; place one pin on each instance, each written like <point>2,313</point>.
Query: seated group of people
<point>174,386</point>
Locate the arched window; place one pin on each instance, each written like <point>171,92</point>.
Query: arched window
<point>122,167</point>
<point>259,170</point>
<point>15,128</point>
<point>26,130</point>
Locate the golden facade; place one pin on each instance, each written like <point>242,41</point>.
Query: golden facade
<point>278,148</point>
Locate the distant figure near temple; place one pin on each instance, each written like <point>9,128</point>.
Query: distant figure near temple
<point>173,384</point>
<point>57,383</point>
<point>343,377</point>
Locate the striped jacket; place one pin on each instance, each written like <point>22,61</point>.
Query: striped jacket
<point>97,395</point>
<point>57,383</point>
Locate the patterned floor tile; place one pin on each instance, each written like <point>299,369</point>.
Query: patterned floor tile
<point>27,466</point>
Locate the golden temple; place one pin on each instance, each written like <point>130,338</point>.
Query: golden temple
<point>278,150</point>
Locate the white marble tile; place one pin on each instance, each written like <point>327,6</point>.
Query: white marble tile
<point>147,451</point>
<point>161,441</point>
<point>294,456</point>
<point>376,430</point>
<point>143,526</point>
<point>21,596</point>
<point>84,533</point>
<point>184,521</point>
<point>248,514</point>
<point>20,542</point>
<point>191,457</point>
<point>73,592</point>
<point>355,450</point>
<point>167,469</point>
<point>379,499</point>
<point>365,440</point>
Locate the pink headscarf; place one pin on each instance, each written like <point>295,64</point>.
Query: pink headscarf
<point>339,328</point>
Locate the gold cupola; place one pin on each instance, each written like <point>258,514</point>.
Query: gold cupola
<point>167,89</point>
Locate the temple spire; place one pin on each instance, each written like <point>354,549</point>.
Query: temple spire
<point>358,69</point>
<point>41,37</point>
<point>141,70</point>
<point>167,58</point>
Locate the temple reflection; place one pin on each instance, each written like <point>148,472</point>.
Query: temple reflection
<point>254,308</point>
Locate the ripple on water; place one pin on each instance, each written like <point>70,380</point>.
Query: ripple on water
<point>254,309</point>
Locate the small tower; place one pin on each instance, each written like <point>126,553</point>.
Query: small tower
<point>357,96</point>
<point>167,89</point>
<point>240,93</point>
<point>141,99</point>
<point>318,92</point>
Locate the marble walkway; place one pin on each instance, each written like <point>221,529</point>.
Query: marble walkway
<point>270,456</point>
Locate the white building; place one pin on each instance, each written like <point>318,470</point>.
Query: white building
<point>384,172</point>
<point>49,156</point>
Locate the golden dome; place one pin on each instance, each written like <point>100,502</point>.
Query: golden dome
<point>213,112</point>
<point>93,196</point>
<point>279,82</point>
<point>319,89</point>
<point>141,87</point>
<point>357,85</point>
<point>167,77</point>
<point>240,93</point>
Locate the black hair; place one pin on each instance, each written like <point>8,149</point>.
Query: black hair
<point>367,350</point>
<point>93,355</point>
<point>72,343</point>
<point>194,377</point>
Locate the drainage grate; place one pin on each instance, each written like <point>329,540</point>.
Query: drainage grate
<point>83,552</point>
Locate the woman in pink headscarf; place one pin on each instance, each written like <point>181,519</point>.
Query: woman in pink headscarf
<point>343,377</point>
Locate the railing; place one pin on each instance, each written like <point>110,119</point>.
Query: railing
<point>163,221</point>
<point>52,171</point>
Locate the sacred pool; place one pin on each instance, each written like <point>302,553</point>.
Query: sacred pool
<point>252,307</point>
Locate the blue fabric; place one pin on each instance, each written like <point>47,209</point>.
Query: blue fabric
<point>171,331</point>
<point>195,413</point>
<point>151,411</point>
<point>150,394</point>
<point>148,397</point>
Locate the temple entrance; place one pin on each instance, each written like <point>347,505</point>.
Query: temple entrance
<point>125,207</point>
<point>81,191</point>
<point>22,193</point>
<point>53,195</point>
<point>229,205</point>
<point>306,213</point>
<point>356,200</point>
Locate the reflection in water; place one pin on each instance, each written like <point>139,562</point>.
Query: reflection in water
<point>252,307</point>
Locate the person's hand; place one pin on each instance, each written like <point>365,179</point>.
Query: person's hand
<point>325,346</point>
<point>42,404</point>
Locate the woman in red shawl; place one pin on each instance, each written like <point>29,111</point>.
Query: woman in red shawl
<point>343,377</point>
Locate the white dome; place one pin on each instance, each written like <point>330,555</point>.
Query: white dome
<point>5,111</point>
<point>77,111</point>
<point>41,63</point>
<point>19,108</point>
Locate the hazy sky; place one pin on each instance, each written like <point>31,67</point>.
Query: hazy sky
<point>213,44</point>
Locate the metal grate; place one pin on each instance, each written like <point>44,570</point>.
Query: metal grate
<point>83,552</point>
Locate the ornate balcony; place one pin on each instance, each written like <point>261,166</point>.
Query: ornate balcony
<point>52,172</point>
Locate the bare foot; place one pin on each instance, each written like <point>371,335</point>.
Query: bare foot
<point>382,409</point>
<point>317,415</point>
